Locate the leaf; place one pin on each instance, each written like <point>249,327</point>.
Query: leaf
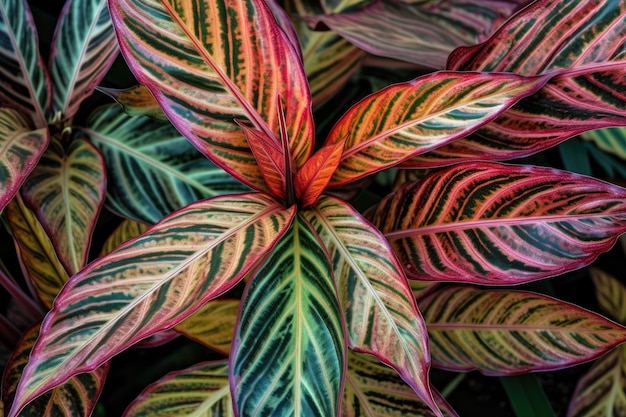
<point>136,101</point>
<point>212,325</point>
<point>500,224</point>
<point>37,254</point>
<point>149,284</point>
<point>201,389</point>
<point>230,61</point>
<point>127,230</point>
<point>66,190</point>
<point>312,178</point>
<point>77,397</point>
<point>504,332</point>
<point>611,294</point>
<point>381,316</point>
<point>288,352</point>
<point>20,149</point>
<point>152,169</point>
<point>423,34</point>
<point>600,391</point>
<point>527,396</point>
<point>611,139</point>
<point>375,390</point>
<point>411,118</point>
<point>83,48</point>
<point>24,82</point>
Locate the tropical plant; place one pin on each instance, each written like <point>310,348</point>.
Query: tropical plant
<point>341,314</point>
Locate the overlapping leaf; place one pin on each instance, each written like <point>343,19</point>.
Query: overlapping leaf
<point>66,191</point>
<point>136,101</point>
<point>311,180</point>
<point>20,149</point>
<point>149,284</point>
<point>502,332</point>
<point>198,390</point>
<point>381,316</point>
<point>213,324</point>
<point>127,230</point>
<point>24,82</point>
<point>494,223</point>
<point>611,294</point>
<point>410,118</point>
<point>611,139</point>
<point>152,169</point>
<point>38,257</point>
<point>550,35</point>
<point>288,353</point>
<point>77,397</point>
<point>209,62</point>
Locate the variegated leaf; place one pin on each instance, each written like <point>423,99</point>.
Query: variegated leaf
<point>200,390</point>
<point>611,139</point>
<point>37,254</point>
<point>66,190</point>
<point>411,118</point>
<point>20,149</point>
<point>24,82</point>
<point>502,332</point>
<point>231,60</point>
<point>213,324</point>
<point>127,230</point>
<point>83,49</point>
<point>136,101</point>
<point>152,169</point>
<point>611,294</point>
<point>149,284</point>
<point>493,223</point>
<point>381,316</point>
<point>288,354</point>
<point>421,288</point>
<point>76,397</point>
<point>375,390</point>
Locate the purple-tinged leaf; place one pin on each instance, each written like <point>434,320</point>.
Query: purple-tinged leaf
<point>494,224</point>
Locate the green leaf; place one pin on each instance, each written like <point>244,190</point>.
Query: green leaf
<point>504,332</point>
<point>152,169</point>
<point>20,149</point>
<point>411,118</point>
<point>210,62</point>
<point>127,230</point>
<point>83,49</point>
<point>611,139</point>
<point>527,396</point>
<point>493,223</point>
<point>149,284</point>
<point>213,324</point>
<point>200,390</point>
<point>288,352</point>
<point>66,190</point>
<point>24,82</point>
<point>381,316</point>
<point>611,294</point>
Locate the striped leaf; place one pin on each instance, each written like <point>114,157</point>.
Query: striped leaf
<point>375,390</point>
<point>83,49</point>
<point>381,316</point>
<point>208,62</point>
<point>423,34</point>
<point>288,352</point>
<point>550,35</point>
<point>200,390</point>
<point>20,149</point>
<point>213,324</point>
<point>494,224</point>
<point>611,294</point>
<point>152,169</point>
<point>611,139</point>
<point>311,180</point>
<point>150,284</point>
<point>36,252</point>
<point>24,82</point>
<point>66,190</point>
<point>410,118</point>
<point>136,101</point>
<point>127,230</point>
<point>77,397</point>
<point>502,332</point>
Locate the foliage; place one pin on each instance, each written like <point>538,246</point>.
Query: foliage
<point>240,228</point>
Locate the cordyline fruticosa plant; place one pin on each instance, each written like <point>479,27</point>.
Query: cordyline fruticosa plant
<point>326,284</point>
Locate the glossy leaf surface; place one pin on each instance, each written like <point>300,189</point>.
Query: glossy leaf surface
<point>411,118</point>
<point>209,62</point>
<point>381,315</point>
<point>152,169</point>
<point>502,332</point>
<point>213,324</point>
<point>83,49</point>
<point>24,82</point>
<point>288,352</point>
<point>150,284</point>
<point>20,149</point>
<point>66,191</point>
<point>200,390</point>
<point>493,224</point>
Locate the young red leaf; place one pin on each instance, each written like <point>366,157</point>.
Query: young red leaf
<point>313,177</point>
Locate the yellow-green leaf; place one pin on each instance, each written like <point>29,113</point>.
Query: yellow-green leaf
<point>212,325</point>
